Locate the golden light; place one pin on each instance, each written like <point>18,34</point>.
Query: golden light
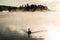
<point>50,0</point>
<point>54,33</point>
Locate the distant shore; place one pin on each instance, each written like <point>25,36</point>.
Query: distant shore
<point>27,7</point>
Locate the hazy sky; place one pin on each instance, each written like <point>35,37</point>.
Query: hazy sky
<point>49,3</point>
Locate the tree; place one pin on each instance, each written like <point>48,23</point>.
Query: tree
<point>33,7</point>
<point>9,9</point>
<point>0,8</point>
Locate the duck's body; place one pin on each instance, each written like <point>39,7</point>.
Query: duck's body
<point>29,32</point>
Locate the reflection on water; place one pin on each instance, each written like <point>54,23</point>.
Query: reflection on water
<point>34,20</point>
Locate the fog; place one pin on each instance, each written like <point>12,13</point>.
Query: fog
<point>11,22</point>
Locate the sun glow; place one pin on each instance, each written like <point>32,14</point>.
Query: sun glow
<point>50,0</point>
<point>54,33</point>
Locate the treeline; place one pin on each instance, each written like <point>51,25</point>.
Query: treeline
<point>27,7</point>
<point>33,7</point>
<point>7,8</point>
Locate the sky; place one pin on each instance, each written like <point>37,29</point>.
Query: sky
<point>49,3</point>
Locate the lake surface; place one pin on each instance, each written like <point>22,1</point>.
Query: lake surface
<point>36,21</point>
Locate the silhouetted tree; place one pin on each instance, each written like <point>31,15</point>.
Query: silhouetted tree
<point>41,7</point>
<point>33,7</point>
<point>9,9</point>
<point>1,9</point>
<point>26,7</point>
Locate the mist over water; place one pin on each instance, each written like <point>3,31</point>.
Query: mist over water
<point>16,21</point>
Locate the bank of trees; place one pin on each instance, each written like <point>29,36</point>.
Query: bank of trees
<point>27,7</point>
<point>33,7</point>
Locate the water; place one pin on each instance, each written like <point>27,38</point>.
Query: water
<point>35,20</point>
